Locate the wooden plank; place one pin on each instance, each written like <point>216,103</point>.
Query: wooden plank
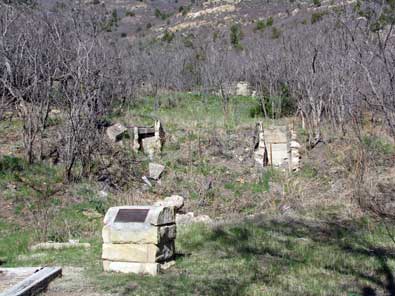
<point>13,275</point>
<point>34,284</point>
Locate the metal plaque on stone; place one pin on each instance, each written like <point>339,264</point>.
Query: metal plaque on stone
<point>131,215</point>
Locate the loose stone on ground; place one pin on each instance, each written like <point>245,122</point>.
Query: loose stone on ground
<point>116,132</point>
<point>175,201</point>
<point>155,170</point>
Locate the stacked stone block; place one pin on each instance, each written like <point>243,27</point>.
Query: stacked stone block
<point>294,150</point>
<point>138,239</point>
<point>276,146</point>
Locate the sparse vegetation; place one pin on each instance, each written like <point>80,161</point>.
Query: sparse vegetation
<point>168,36</point>
<point>276,33</point>
<point>317,16</point>
<point>162,15</point>
<point>269,22</point>
<point>318,258</point>
<point>236,34</point>
<point>260,25</point>
<point>130,13</point>
<point>324,228</point>
<point>317,3</point>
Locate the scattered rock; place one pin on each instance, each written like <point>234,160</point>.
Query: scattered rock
<point>155,170</point>
<point>92,214</point>
<point>175,201</point>
<point>202,219</point>
<point>55,112</point>
<point>103,194</point>
<point>59,246</point>
<point>167,265</point>
<point>185,218</point>
<point>146,181</point>
<point>189,218</point>
<point>116,132</point>
<point>24,257</point>
<point>11,186</point>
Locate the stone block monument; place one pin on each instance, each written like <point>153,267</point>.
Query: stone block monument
<point>138,239</point>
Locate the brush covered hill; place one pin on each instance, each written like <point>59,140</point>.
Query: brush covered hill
<point>136,20</point>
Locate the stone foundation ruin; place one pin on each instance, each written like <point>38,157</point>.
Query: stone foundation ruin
<point>138,239</point>
<point>149,139</point>
<point>146,139</point>
<point>276,146</point>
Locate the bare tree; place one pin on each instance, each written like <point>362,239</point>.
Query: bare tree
<point>221,69</point>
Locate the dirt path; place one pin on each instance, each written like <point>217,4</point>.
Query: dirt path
<point>72,283</point>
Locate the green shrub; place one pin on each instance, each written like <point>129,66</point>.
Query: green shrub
<point>236,34</point>
<point>317,16</point>
<point>11,164</point>
<point>377,145</point>
<point>188,40</point>
<point>260,25</point>
<point>308,171</point>
<point>276,33</point>
<point>317,3</point>
<point>162,15</point>
<point>168,36</point>
<point>269,22</point>
<point>114,18</point>
<point>130,13</point>
<point>215,36</point>
<point>255,111</point>
<point>111,22</point>
<point>278,106</point>
<point>186,10</point>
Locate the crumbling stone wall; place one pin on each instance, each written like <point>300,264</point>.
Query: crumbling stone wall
<point>276,146</point>
<point>149,140</point>
<point>146,139</point>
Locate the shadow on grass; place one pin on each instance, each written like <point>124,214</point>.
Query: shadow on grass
<point>276,247</point>
<point>280,256</point>
<point>348,235</point>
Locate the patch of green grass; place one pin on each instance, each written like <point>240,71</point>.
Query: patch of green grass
<point>14,241</point>
<point>37,191</point>
<point>260,186</point>
<point>260,25</point>
<point>191,109</point>
<point>265,256</point>
<point>317,16</point>
<point>10,126</point>
<point>276,33</point>
<point>378,145</point>
<point>266,180</point>
<point>307,171</point>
